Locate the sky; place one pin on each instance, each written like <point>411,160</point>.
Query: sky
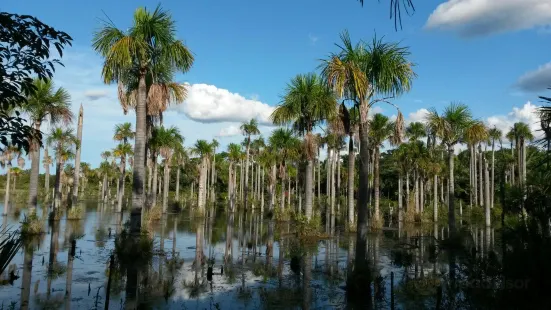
<point>491,55</point>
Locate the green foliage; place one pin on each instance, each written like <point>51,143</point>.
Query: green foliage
<point>305,228</point>
<point>75,213</point>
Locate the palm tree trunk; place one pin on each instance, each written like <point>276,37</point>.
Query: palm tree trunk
<point>435,199</point>
<point>471,181</point>
<point>328,163</point>
<point>138,171</point>
<point>27,274</point>
<point>361,230</point>
<point>319,175</point>
<point>407,191</point>
<point>104,188</point>
<point>213,181</point>
<point>247,173</point>
<point>421,195</point>
<point>202,185</point>
<point>351,162</point>
<point>241,181</point>
<point>35,170</point>
<point>487,192</point>
<point>282,202</point>
<point>230,186</point>
<point>416,190</point>
<point>155,185</point>
<point>57,192</point>
<point>46,175</point>
<point>493,179</point>
<point>338,191</point>
<point>451,191</point>
<point>262,192</point>
<point>523,161</point>
<point>166,185</point>
<point>377,217</point>
<point>400,198</point>
<point>481,175</point>
<point>150,173</point>
<point>332,187</point>
<point>309,189</point>
<point>177,183</point>
<point>273,187</point>
<point>7,193</point>
<point>77,157</point>
<point>288,191</point>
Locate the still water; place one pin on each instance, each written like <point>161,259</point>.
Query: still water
<point>257,263</point>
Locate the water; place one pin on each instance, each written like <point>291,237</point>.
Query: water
<point>409,267</point>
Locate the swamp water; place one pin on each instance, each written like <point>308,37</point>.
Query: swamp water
<point>256,263</point>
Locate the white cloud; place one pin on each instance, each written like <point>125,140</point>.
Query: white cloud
<point>208,104</point>
<point>230,131</point>
<point>313,38</point>
<point>537,80</point>
<point>417,116</point>
<point>527,114</point>
<point>485,17</point>
<point>95,94</point>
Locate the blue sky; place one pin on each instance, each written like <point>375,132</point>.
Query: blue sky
<point>492,56</point>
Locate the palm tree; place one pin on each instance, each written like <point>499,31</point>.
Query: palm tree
<point>284,145</point>
<point>134,55</point>
<point>475,134</point>
<point>166,141</point>
<point>234,155</point>
<point>521,132</point>
<point>85,173</point>
<point>214,145</point>
<point>306,103</point>
<point>414,132</point>
<point>6,158</point>
<point>495,135</point>
<point>180,158</point>
<point>46,163</point>
<point>450,127</point>
<point>77,156</point>
<point>62,141</point>
<point>123,132</point>
<point>122,151</point>
<point>248,129</point>
<point>204,150</point>
<point>380,129</point>
<point>45,105</point>
<point>357,73</point>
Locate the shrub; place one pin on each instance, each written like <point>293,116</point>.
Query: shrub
<point>75,213</point>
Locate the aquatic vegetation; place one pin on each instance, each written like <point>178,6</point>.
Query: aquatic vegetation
<point>32,225</point>
<point>75,213</point>
<point>135,250</point>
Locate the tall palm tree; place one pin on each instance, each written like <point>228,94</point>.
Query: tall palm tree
<point>495,135</point>
<point>450,128</point>
<point>357,73</point>
<point>475,134</point>
<point>234,155</point>
<point>248,129</point>
<point>63,142</point>
<point>49,105</point>
<point>123,132</point>
<point>204,150</point>
<point>180,158</point>
<point>284,145</point>
<point>166,140</point>
<point>9,154</point>
<point>76,175</point>
<point>521,132</point>
<point>414,132</point>
<point>122,151</point>
<point>306,103</point>
<point>214,145</point>
<point>380,129</point>
<point>46,163</point>
<point>131,56</point>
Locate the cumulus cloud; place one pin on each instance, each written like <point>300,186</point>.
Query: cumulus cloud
<point>417,116</point>
<point>95,94</point>
<point>209,104</point>
<point>484,17</point>
<point>527,114</point>
<point>230,131</point>
<point>537,80</point>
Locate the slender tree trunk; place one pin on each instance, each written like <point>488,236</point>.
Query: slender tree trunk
<point>480,175</point>
<point>178,182</point>
<point>451,191</point>
<point>288,191</point>
<point>213,180</point>
<point>471,187</point>
<point>57,192</point>
<point>166,184</point>
<point>138,171</point>
<point>27,274</point>
<point>407,191</point>
<point>328,163</point>
<point>273,187</point>
<point>351,162</point>
<point>282,202</point>
<point>309,189</point>
<point>247,173</point>
<point>46,175</point>
<point>332,186</point>
<point>7,193</point>
<point>493,179</point>
<point>376,181</point>
<point>416,189</point>
<point>35,170</point>
<point>230,187</point>
<point>421,195</point>
<point>319,176</point>
<point>150,173</point>
<point>262,192</point>
<point>77,157</point>
<point>241,181</point>
<point>400,198</point>
<point>523,161</point>
<point>435,199</point>
<point>487,204</point>
<point>202,185</point>
<point>104,188</point>
<point>155,185</point>
<point>338,190</point>
<point>120,194</point>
